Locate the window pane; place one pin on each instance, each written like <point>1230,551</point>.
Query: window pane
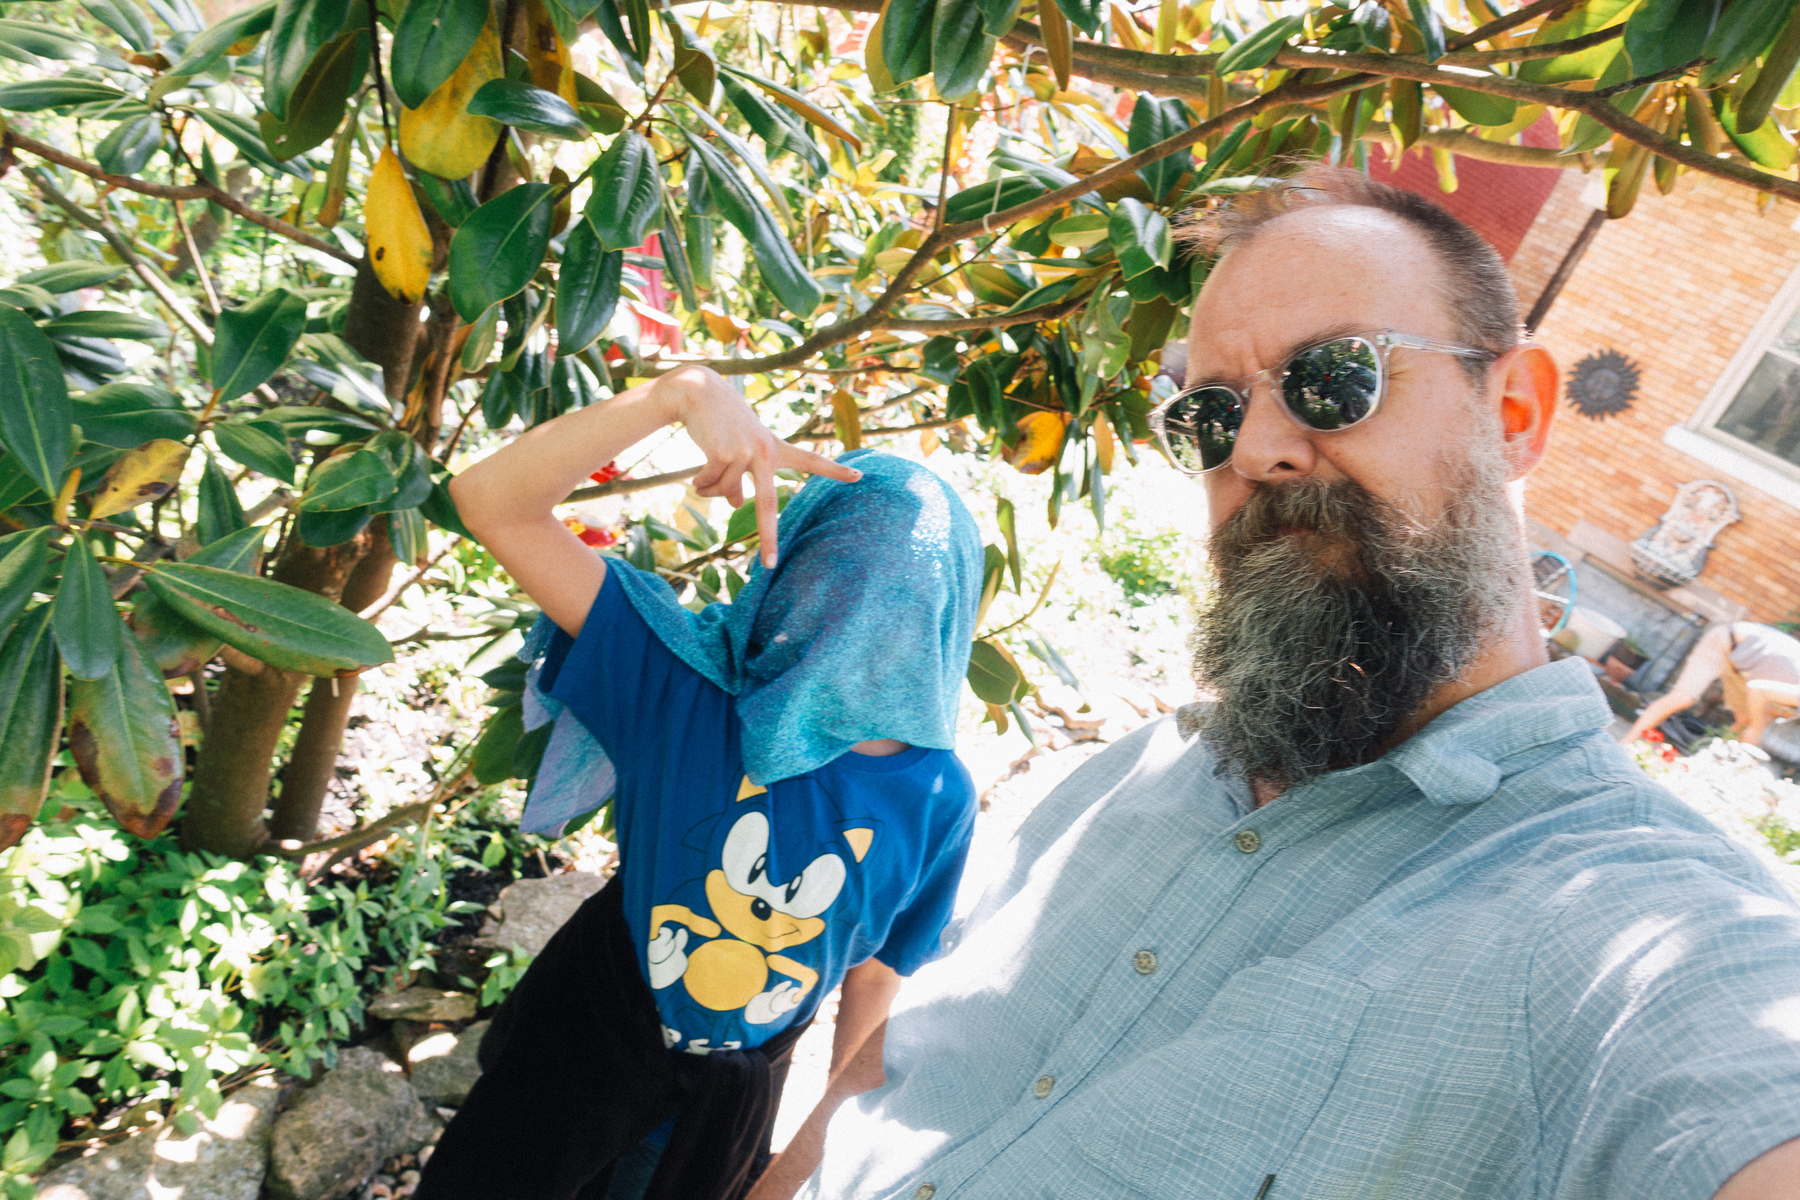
<point>1766,411</point>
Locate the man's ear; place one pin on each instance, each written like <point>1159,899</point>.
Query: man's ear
<point>1528,382</point>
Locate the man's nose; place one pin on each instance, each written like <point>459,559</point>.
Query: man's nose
<point>1271,446</point>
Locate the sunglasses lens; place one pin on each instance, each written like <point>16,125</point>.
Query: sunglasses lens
<point>1333,385</point>
<point>1201,427</point>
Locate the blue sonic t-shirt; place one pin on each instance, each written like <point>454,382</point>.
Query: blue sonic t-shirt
<point>749,904</point>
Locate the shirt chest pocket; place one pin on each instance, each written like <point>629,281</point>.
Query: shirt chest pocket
<point>1216,1111</point>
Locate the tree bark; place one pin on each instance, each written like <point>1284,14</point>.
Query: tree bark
<point>224,811</point>
<point>313,763</point>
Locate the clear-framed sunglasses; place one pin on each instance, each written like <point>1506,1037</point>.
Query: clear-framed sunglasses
<point>1327,386</point>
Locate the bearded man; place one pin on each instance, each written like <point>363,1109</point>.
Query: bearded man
<point>1392,917</point>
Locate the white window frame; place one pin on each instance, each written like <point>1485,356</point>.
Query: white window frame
<point>1699,437</point>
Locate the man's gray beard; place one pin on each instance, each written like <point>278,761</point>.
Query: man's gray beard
<point>1320,646</point>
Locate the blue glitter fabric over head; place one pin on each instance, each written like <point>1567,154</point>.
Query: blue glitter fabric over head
<point>861,631</point>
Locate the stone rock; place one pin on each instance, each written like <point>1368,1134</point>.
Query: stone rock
<point>423,1004</point>
<point>336,1134</point>
<point>444,1066</point>
<point>533,909</point>
<point>224,1160</point>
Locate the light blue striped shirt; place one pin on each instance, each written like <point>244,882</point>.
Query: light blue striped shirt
<point>1498,962</point>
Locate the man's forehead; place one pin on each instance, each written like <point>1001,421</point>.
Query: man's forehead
<point>1316,271</point>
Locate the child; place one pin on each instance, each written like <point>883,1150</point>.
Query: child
<point>788,810</point>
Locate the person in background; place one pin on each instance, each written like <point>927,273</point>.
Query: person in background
<point>1768,661</point>
<point>788,808</point>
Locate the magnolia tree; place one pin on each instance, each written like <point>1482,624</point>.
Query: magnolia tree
<point>931,215</point>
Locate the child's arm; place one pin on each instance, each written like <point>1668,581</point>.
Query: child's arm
<point>856,1046</point>
<point>507,499</point>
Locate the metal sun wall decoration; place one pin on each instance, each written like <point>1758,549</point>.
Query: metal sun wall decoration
<point>1673,552</point>
<point>1603,384</point>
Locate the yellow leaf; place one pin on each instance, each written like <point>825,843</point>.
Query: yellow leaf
<point>148,473</point>
<point>1125,29</point>
<point>441,136</point>
<point>847,418</point>
<point>399,242</point>
<point>546,54</point>
<point>928,443</point>
<point>1103,442</point>
<point>1059,43</point>
<point>880,78</point>
<point>1040,441</point>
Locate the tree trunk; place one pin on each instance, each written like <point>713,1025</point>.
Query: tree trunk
<point>313,763</point>
<point>224,812</point>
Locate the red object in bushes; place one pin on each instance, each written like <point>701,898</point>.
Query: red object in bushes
<point>590,535</point>
<point>606,474</point>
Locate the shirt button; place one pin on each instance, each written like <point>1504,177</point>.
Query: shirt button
<point>1144,962</point>
<point>1247,841</point>
<point>924,1191</point>
<point>1042,1087</point>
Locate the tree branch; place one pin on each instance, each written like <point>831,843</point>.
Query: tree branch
<point>1597,107</point>
<point>166,191</point>
<point>621,487</point>
<point>1511,20</point>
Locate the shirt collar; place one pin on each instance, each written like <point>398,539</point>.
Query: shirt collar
<point>1456,758</point>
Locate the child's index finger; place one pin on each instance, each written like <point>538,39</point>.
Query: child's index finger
<point>766,511</point>
<point>818,464</point>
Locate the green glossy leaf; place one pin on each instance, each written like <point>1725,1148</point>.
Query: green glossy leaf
<point>170,642</point>
<point>25,40</point>
<point>500,247</point>
<point>320,97</point>
<point>993,675</point>
<point>299,29</point>
<point>430,42</point>
<point>525,106</point>
<point>1740,37</point>
<point>492,759</point>
<point>1579,21</point>
<point>246,135</point>
<point>1087,15</point>
<point>23,558</point>
<point>1668,33</point>
<point>88,630</point>
<point>16,486</point>
<point>627,194</point>
<point>219,513</point>
<point>35,95</point>
<point>1000,16</point>
<point>407,464</point>
<point>254,340</point>
<point>407,534</point>
<point>298,419</point>
<point>440,509</point>
<point>778,128</point>
<point>1430,26</point>
<point>325,529</point>
<point>210,46</point>
<point>280,625</point>
<point>906,38</point>
<point>105,323</point>
<point>992,196</point>
<point>126,415</point>
<point>259,445</point>
<point>36,414</point>
<point>173,643</point>
<point>1766,145</point>
<point>1153,121</point>
<point>31,711</point>
<point>780,267</point>
<point>129,146</point>
<point>71,276</point>
<point>127,742</point>
<point>675,258</point>
<point>1261,47</point>
<point>587,289</point>
<point>1478,108</point>
<point>234,552</point>
<point>960,48</point>
<point>347,481</point>
<point>124,18</point>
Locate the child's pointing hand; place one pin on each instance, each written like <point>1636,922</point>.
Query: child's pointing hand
<point>736,444</point>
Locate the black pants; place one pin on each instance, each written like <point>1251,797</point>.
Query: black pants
<point>574,1074</point>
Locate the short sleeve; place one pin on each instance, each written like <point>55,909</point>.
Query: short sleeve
<point>913,938</point>
<point>619,679</point>
<point>1665,1030</point>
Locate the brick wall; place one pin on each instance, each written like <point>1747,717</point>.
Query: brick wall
<point>1675,287</point>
